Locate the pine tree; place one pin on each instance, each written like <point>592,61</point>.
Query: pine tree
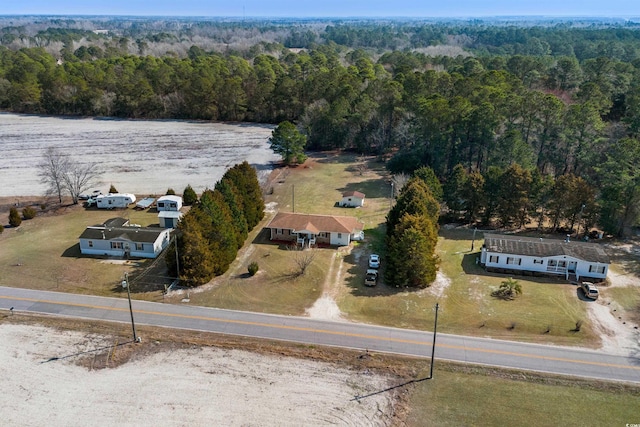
<point>189,196</point>
<point>14,217</point>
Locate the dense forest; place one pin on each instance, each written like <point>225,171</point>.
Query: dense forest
<point>520,121</point>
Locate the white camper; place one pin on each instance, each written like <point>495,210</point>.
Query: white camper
<point>115,200</point>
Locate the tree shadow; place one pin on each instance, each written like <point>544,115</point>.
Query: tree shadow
<point>372,188</point>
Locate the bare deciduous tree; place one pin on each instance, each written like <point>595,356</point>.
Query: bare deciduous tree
<point>79,178</point>
<point>52,169</point>
<point>399,180</point>
<point>302,259</point>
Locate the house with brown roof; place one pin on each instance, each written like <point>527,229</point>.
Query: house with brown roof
<point>116,238</point>
<point>528,255</point>
<point>307,230</point>
<point>352,199</point>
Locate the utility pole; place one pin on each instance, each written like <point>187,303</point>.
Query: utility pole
<point>125,284</point>
<point>433,346</point>
<point>474,237</point>
<point>293,197</point>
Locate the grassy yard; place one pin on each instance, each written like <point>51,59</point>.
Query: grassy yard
<point>486,397</point>
<point>43,253</point>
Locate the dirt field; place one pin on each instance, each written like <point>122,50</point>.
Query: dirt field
<point>56,378</point>
<point>140,157</point>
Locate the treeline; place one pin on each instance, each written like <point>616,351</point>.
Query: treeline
<point>553,116</point>
<point>412,232</point>
<point>216,226</point>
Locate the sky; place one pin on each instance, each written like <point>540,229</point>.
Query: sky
<point>326,8</point>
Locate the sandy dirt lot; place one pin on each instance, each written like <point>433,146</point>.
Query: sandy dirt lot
<point>201,386</point>
<point>140,157</point>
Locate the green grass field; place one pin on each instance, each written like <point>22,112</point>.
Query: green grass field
<point>487,397</point>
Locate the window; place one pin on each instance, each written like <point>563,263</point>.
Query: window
<point>91,245</point>
<point>139,246</point>
<point>161,204</point>
<point>596,269</point>
<point>339,235</point>
<point>116,245</point>
<point>514,261</point>
<point>494,258</point>
<point>562,264</point>
<point>552,263</point>
<point>537,261</point>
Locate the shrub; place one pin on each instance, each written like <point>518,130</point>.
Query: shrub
<point>43,206</point>
<point>189,196</point>
<point>171,192</point>
<point>112,189</point>
<point>28,213</point>
<point>253,268</point>
<point>1,228</point>
<point>509,290</point>
<point>14,218</point>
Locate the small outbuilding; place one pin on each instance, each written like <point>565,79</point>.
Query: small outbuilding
<point>169,219</point>
<point>352,199</point>
<point>169,203</point>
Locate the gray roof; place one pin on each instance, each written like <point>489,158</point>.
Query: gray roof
<point>132,234</point>
<point>538,247</point>
<point>170,214</point>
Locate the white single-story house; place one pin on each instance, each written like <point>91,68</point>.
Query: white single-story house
<point>352,199</point>
<point>528,255</point>
<point>169,219</point>
<point>169,203</point>
<point>115,238</point>
<point>308,230</point>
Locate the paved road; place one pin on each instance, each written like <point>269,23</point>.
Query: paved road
<point>559,360</point>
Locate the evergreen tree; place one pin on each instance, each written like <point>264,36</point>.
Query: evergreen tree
<point>415,199</point>
<point>197,265</point>
<point>189,196</point>
<point>429,177</point>
<point>288,142</point>
<point>14,217</point>
<point>229,193</point>
<point>112,189</point>
<point>411,260</point>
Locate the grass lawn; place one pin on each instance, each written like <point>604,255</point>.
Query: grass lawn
<point>44,253</point>
<point>486,397</point>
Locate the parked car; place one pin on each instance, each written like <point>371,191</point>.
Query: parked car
<point>371,278</point>
<point>590,290</point>
<point>374,261</point>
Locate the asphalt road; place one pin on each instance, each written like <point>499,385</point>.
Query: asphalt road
<point>508,354</point>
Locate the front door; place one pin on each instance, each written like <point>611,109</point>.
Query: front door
<point>572,266</point>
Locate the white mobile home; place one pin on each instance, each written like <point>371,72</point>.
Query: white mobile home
<point>114,238</point>
<point>115,200</point>
<point>537,256</point>
<point>169,203</point>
